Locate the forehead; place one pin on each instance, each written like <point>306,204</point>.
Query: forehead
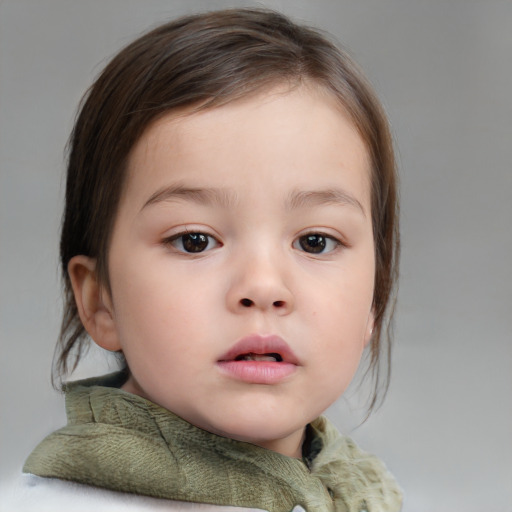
<point>303,132</point>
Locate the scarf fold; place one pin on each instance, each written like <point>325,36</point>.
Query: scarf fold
<point>126,443</point>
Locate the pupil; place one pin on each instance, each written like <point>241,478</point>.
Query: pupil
<point>313,243</point>
<point>195,242</point>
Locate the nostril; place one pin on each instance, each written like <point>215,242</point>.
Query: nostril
<point>246,303</point>
<point>278,303</point>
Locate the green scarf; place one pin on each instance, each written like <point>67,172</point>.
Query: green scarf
<point>126,443</point>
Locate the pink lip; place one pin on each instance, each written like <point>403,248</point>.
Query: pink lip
<point>259,372</point>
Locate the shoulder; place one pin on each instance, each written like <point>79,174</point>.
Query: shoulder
<point>32,493</point>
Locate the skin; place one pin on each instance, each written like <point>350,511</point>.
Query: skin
<point>174,313</point>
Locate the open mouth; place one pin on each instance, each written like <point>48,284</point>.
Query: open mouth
<point>273,357</point>
<point>256,348</point>
<point>257,359</point>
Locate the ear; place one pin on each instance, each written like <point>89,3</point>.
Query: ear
<point>93,303</point>
<point>370,324</point>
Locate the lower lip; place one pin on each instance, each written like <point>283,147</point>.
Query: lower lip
<point>257,372</point>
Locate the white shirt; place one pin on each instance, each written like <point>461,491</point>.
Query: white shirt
<point>30,493</point>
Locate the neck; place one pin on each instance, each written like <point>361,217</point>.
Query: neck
<point>291,446</point>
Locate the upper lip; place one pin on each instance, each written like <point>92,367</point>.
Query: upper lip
<point>260,344</point>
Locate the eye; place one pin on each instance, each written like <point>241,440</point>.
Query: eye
<point>316,243</point>
<point>192,242</point>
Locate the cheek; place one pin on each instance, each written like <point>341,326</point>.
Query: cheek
<point>160,304</point>
<point>343,306</point>
<point>339,320</point>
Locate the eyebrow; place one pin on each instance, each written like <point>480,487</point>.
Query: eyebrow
<point>216,196</point>
<point>307,199</point>
<point>227,198</point>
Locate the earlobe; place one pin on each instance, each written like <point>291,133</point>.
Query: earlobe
<point>94,306</point>
<point>370,324</point>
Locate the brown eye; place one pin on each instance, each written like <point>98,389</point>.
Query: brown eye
<point>312,243</point>
<point>193,242</point>
<point>316,243</point>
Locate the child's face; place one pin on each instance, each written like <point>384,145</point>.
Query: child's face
<point>245,230</point>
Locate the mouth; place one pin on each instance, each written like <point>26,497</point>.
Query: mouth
<point>270,358</point>
<point>259,359</point>
<point>266,349</point>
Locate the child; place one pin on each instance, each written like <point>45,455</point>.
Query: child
<point>230,229</point>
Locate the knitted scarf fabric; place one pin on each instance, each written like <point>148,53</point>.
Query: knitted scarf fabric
<point>123,442</point>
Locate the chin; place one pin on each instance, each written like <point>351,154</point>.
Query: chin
<point>256,429</point>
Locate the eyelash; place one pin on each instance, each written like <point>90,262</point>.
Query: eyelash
<point>203,241</point>
<point>195,237</point>
<point>328,242</point>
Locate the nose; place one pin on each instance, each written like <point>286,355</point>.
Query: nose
<point>260,283</point>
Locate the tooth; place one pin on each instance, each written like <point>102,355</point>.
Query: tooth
<point>260,357</point>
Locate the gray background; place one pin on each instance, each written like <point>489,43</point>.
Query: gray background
<point>444,72</point>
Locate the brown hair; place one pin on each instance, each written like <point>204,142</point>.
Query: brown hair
<point>203,61</point>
